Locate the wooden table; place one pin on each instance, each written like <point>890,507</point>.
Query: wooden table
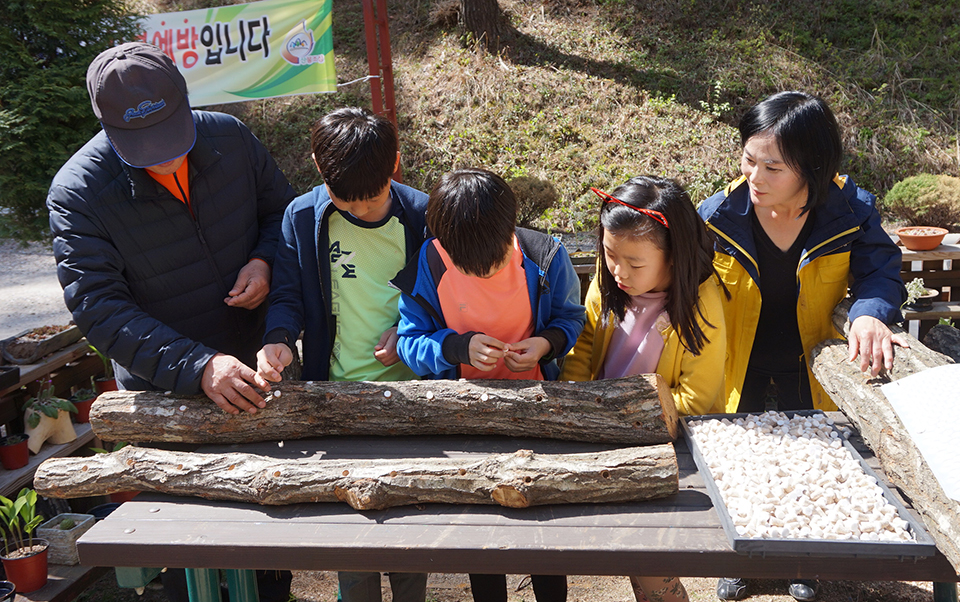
<point>680,535</point>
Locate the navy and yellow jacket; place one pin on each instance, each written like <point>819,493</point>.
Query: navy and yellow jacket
<point>846,244</point>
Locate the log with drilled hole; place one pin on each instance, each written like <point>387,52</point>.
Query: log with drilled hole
<point>636,410</point>
<point>517,480</point>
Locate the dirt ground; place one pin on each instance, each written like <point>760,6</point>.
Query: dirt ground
<point>30,294</point>
<point>321,586</point>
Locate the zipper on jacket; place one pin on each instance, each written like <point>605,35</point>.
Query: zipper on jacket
<point>821,245</point>
<point>738,247</point>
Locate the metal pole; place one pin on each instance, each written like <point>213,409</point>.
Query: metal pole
<point>203,585</point>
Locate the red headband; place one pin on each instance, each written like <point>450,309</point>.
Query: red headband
<point>648,212</point>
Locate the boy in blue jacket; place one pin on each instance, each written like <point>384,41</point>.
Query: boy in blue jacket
<point>340,245</point>
<point>459,315</point>
<point>488,300</point>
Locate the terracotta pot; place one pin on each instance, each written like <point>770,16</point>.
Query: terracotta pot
<point>14,452</point>
<point>921,238</point>
<point>104,385</point>
<point>29,573</point>
<point>123,496</point>
<point>83,411</point>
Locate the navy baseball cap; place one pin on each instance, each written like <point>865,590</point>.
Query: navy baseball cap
<point>140,98</point>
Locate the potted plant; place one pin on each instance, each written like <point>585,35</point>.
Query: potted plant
<point>107,382</point>
<point>62,532</point>
<point>14,452</point>
<point>921,238</point>
<point>919,297</point>
<point>83,400</point>
<point>24,557</point>
<point>48,417</point>
<point>117,497</point>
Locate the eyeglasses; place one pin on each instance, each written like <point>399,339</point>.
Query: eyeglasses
<point>649,212</point>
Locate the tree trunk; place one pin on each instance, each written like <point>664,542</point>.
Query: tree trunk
<point>860,399</point>
<point>514,480</point>
<point>636,410</point>
<point>482,19</point>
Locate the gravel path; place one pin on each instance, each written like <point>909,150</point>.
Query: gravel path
<point>30,294</point>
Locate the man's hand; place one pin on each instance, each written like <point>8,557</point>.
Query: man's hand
<point>485,351</point>
<point>252,286</point>
<point>386,349</point>
<point>271,360</point>
<point>524,355</point>
<point>226,380</point>
<point>872,340</point>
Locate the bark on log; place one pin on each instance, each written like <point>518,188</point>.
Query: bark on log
<point>634,411</point>
<point>859,397</point>
<point>944,339</point>
<point>516,480</point>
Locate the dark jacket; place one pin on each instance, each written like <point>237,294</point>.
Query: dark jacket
<point>428,346</point>
<point>144,275</point>
<point>299,296</point>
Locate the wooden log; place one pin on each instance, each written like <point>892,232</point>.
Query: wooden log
<point>634,411</point>
<point>514,480</point>
<point>944,339</point>
<point>859,397</point>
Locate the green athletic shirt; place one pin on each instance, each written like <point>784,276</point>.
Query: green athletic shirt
<point>364,256</point>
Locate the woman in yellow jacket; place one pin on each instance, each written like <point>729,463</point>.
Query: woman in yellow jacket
<point>654,306</point>
<point>792,235</point>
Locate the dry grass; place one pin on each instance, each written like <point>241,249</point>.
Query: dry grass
<point>591,93</point>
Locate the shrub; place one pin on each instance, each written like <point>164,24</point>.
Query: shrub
<point>533,198</point>
<point>926,199</point>
<point>45,114</point>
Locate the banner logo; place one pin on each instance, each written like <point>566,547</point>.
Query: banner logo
<point>298,44</point>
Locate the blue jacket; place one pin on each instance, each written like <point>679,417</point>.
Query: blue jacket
<point>846,244</point>
<point>554,296</point>
<point>144,276</point>
<point>299,299</point>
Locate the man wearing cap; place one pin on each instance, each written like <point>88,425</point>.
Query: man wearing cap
<point>165,226</point>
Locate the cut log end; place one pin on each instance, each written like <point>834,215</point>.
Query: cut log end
<point>507,495</point>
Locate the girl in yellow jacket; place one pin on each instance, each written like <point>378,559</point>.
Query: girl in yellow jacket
<point>654,306</point>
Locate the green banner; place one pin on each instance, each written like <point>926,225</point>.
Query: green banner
<point>248,51</point>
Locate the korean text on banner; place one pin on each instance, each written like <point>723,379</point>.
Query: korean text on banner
<point>248,51</point>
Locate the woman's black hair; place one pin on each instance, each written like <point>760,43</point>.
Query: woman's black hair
<point>807,135</point>
<point>691,256</point>
<point>473,213</point>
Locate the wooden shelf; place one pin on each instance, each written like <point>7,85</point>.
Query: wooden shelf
<point>941,309</point>
<point>64,583</point>
<point>51,363</point>
<point>12,481</point>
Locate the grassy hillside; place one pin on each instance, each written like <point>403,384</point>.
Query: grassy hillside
<point>590,93</point>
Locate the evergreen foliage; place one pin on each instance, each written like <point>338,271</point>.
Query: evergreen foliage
<point>45,113</point>
<point>924,200</point>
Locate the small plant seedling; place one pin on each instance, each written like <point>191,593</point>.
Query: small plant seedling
<point>46,403</point>
<point>915,290</point>
<point>67,524</point>
<point>116,447</point>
